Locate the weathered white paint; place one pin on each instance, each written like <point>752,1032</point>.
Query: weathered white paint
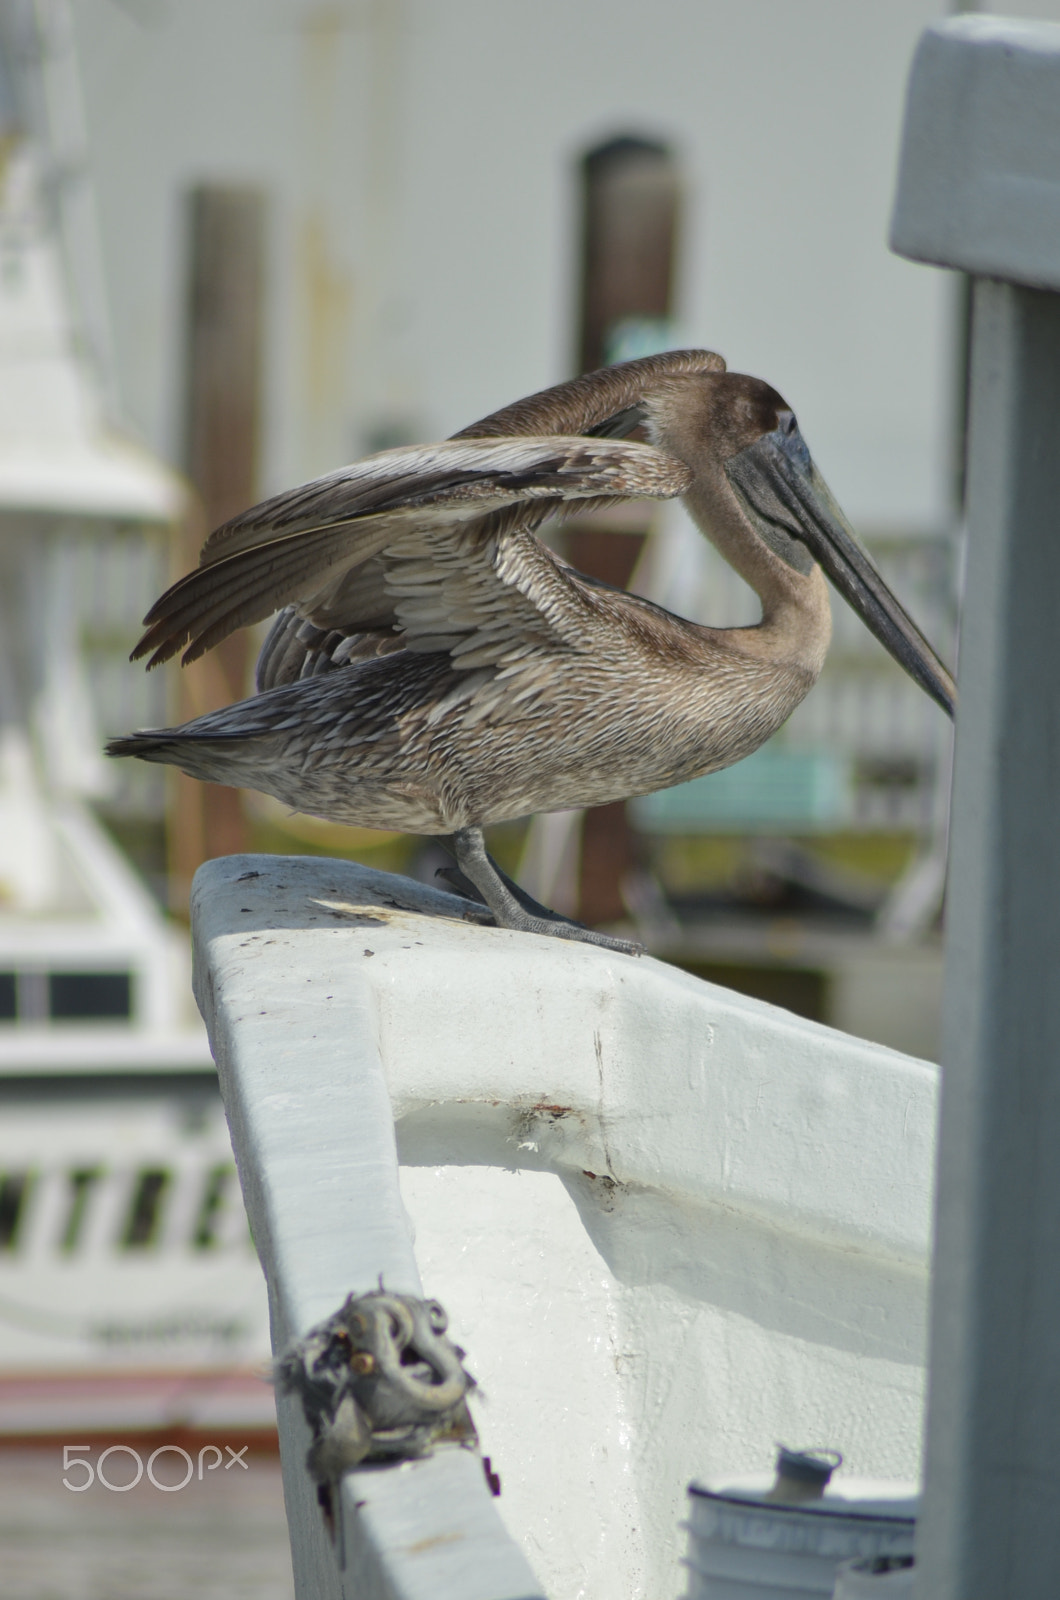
<point>984,116</point>
<point>671,1225</point>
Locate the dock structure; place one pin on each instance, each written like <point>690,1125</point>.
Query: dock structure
<point>669,1223</point>
<point>979,192</point>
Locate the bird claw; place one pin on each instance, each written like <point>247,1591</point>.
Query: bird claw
<point>552,925</point>
<point>555,927</point>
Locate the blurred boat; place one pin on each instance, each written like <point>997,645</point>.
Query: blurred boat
<point>130,1294</point>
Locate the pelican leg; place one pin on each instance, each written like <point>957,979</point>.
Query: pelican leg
<point>462,884</point>
<point>512,907</point>
<point>458,883</point>
<point>464,887</point>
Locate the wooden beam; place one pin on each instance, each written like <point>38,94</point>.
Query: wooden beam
<point>222,429</point>
<point>630,198</point>
<point>630,202</point>
<point>982,105</point>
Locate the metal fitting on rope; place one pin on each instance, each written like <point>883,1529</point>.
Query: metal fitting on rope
<point>378,1380</point>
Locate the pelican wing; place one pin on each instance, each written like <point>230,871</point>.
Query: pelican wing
<point>435,541</point>
<point>601,402</point>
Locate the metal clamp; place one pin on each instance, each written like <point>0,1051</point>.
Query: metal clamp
<point>378,1380</point>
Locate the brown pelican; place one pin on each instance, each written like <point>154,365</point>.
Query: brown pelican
<point>436,667</point>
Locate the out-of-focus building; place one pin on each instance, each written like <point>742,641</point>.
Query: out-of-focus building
<point>421,163</point>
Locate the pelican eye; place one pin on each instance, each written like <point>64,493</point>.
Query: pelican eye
<point>789,438</point>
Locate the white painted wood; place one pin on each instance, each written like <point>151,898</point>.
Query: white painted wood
<point>670,1224</point>
<point>979,189</point>
<point>293,1030</point>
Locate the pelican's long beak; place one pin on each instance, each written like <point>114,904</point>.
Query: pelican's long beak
<point>778,482</point>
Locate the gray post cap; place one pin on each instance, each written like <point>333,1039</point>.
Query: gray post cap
<point>979,175</point>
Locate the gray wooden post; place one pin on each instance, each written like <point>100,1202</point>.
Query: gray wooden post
<point>979,190</point>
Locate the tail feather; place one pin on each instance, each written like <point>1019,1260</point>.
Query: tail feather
<point>175,747</point>
<point>216,758</point>
<point>148,744</point>
<point>226,746</point>
<point>229,728</point>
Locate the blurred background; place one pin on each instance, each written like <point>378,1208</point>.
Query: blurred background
<point>320,230</point>
<point>245,241</point>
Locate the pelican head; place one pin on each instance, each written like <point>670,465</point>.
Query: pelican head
<point>756,485</point>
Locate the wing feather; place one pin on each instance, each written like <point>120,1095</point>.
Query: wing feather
<point>451,521</point>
